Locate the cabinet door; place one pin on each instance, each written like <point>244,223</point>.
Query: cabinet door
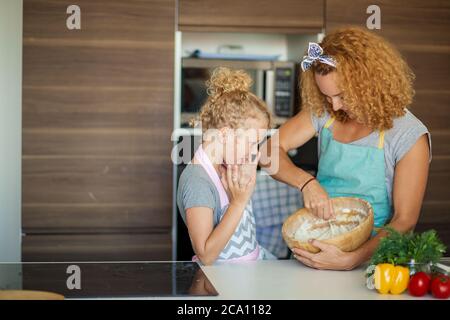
<point>255,15</point>
<point>97,247</point>
<point>420,30</point>
<point>97,122</point>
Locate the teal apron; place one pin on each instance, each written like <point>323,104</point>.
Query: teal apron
<point>347,170</point>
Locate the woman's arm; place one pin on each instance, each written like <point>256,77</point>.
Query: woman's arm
<point>294,133</point>
<point>410,180</point>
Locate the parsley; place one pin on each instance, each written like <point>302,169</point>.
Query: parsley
<point>397,248</point>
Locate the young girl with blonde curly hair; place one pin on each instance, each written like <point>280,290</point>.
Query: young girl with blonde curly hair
<point>216,186</point>
<point>356,89</point>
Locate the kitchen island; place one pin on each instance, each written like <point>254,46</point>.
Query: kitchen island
<point>263,279</point>
<point>289,279</point>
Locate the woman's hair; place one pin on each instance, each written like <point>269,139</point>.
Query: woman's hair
<point>230,101</point>
<point>375,81</point>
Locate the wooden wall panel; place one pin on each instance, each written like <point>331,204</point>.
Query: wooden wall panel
<point>82,142</point>
<point>438,179</point>
<point>413,22</point>
<point>283,16</point>
<point>101,218</point>
<point>433,108</point>
<point>97,122</point>
<point>431,67</point>
<point>116,21</point>
<point>97,247</point>
<point>78,180</point>
<point>98,66</point>
<point>420,30</point>
<point>440,140</point>
<point>99,107</point>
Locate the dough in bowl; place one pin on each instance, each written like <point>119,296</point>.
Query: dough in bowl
<point>320,229</point>
<point>350,228</point>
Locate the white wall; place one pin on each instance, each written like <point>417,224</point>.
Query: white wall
<point>289,47</point>
<point>10,129</point>
<point>267,44</point>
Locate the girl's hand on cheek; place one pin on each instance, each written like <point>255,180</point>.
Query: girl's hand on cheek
<point>249,167</point>
<point>240,186</point>
<point>240,190</point>
<point>223,178</point>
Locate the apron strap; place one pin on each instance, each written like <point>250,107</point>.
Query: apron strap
<point>329,122</point>
<point>204,161</point>
<point>381,140</point>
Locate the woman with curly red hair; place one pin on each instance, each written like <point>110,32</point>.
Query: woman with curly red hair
<point>355,89</point>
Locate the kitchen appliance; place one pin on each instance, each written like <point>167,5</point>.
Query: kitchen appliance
<point>273,81</point>
<point>108,279</point>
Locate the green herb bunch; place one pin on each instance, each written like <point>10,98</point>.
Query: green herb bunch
<point>397,248</point>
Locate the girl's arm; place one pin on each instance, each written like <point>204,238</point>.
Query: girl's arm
<point>294,133</point>
<point>208,241</point>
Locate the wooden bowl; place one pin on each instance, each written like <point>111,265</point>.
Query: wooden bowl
<point>347,241</point>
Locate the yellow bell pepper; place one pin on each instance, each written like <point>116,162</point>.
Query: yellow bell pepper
<point>391,279</point>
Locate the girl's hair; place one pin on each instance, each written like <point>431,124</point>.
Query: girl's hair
<point>230,101</point>
<point>375,81</point>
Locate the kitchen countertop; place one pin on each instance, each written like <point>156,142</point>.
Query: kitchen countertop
<point>262,279</point>
<point>289,279</point>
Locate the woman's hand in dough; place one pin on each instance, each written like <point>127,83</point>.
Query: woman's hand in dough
<point>316,199</point>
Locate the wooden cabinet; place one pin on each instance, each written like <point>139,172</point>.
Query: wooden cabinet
<point>283,16</point>
<point>97,122</point>
<point>420,30</point>
<point>97,247</point>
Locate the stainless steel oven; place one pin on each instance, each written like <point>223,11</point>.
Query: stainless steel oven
<point>273,81</point>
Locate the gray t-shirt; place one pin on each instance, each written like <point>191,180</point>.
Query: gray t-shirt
<point>196,189</point>
<point>397,141</point>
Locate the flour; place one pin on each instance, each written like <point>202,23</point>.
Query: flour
<point>320,229</point>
